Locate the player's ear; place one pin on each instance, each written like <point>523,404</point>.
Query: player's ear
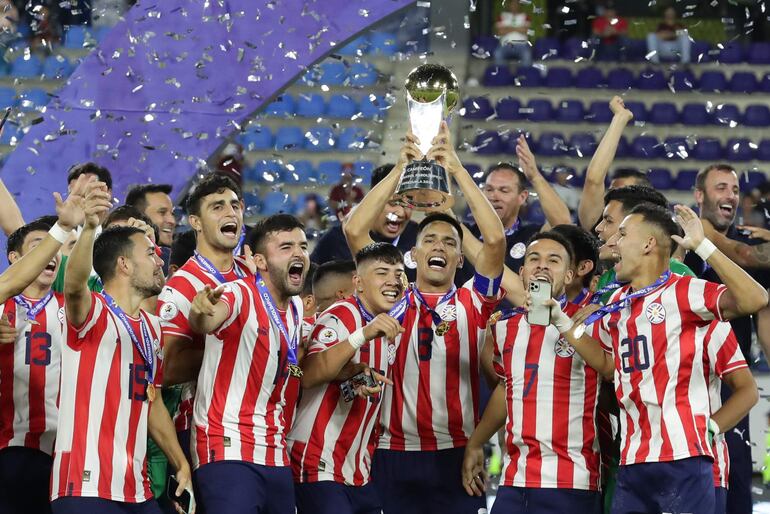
<point>358,283</point>
<point>13,256</point>
<point>261,261</point>
<point>195,222</point>
<point>460,261</point>
<point>123,264</point>
<point>568,277</point>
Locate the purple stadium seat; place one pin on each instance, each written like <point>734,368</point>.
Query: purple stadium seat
<point>589,78</point>
<point>646,147</point>
<point>660,178</point>
<point>477,108</point>
<point>683,80</point>
<point>685,180</point>
<point>575,48</point>
<point>639,110</point>
<point>708,149</point>
<point>624,148</point>
<point>484,46</point>
<point>764,84</point>
<point>559,77</point>
<point>731,53</point>
<point>551,144</point>
<point>676,147</point>
<point>539,109</point>
<point>528,76</point>
<point>743,82</point>
<point>582,144</point>
<point>511,140</point>
<point>636,50</point>
<point>664,113</point>
<point>474,170</point>
<point>711,81</point>
<point>759,53</point>
<point>740,149</point>
<point>727,114</point>
<point>569,111</point>
<point>763,151</point>
<point>749,180</point>
<point>651,80</point>
<point>695,114</point>
<point>701,51</point>
<point>546,48</point>
<point>756,115</point>
<point>487,142</point>
<point>509,109</point>
<point>497,76</point>
<point>620,78</point>
<point>599,112</point>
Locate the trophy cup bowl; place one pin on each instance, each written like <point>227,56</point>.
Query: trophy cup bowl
<point>432,93</point>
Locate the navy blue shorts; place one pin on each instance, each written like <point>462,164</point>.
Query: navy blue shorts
<point>76,505</point>
<point>531,500</point>
<point>720,500</point>
<point>422,482</point>
<point>739,482</point>
<point>680,486</point>
<point>25,476</point>
<point>334,498</point>
<point>238,487</point>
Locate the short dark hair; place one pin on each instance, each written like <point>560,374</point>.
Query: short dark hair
<point>383,252</point>
<point>700,178</point>
<point>513,169</point>
<point>379,173</point>
<point>182,248</point>
<point>137,195</point>
<point>85,168</point>
<point>631,196</point>
<point>439,216</point>
<point>557,237</point>
<point>210,184</point>
<point>112,243</point>
<point>275,223</point>
<point>16,239</point>
<point>639,175</point>
<point>584,244</point>
<point>333,268</point>
<point>307,287</point>
<point>124,212</point>
<point>659,216</point>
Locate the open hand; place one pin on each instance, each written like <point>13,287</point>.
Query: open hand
<point>97,203</point>
<point>184,478</point>
<point>692,226</point>
<point>383,326</point>
<point>443,152</point>
<point>527,161</point>
<point>206,299</point>
<point>409,151</point>
<point>473,471</point>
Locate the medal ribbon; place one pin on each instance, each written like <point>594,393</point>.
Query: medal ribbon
<point>612,286</point>
<point>207,265</point>
<point>33,310</point>
<point>396,312</point>
<point>620,304</point>
<point>239,246</point>
<point>144,347</point>
<point>436,317</point>
<point>580,297</point>
<point>272,310</point>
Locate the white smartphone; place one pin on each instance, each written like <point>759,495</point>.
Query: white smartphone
<point>539,292</point>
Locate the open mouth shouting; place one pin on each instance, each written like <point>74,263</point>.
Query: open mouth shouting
<point>296,271</point>
<point>437,262</point>
<point>393,224</point>
<point>50,269</point>
<point>543,277</point>
<point>726,210</point>
<point>230,230</point>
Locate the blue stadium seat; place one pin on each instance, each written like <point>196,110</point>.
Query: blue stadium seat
<point>358,46</point>
<point>740,149</point>
<point>676,147</point>
<point>276,202</point>
<point>727,114</point>
<point>764,84</point>
<point>751,179</point>
<point>620,78</point>
<point>559,77</point>
<point>763,150</point>
<point>683,80</point>
<point>712,80</point>
<point>639,110</point>
<point>301,171</point>
<point>362,74</point>
<point>7,97</point>
<point>701,51</point>
<point>289,138</point>
<point>509,108</point>
<point>252,201</point>
<point>528,76</point>
<point>484,47</point>
<point>33,99</point>
<point>475,171</point>
<point>352,139</point>
<point>373,106</point>
<point>624,148</point>
<point>551,144</point>
<point>538,110</point>
<point>743,82</point>
<point>363,170</point>
<point>329,172</point>
<point>27,66</point>
<point>756,115</point>
<point>759,53</point>
<point>341,106</point>
<point>11,134</point>
<point>660,178</point>
<point>695,114</point>
<point>488,142</point>
<point>636,50</point>
<point>599,112</point>
<point>497,76</point>
<point>546,48</point>
<point>731,53</point>
<point>284,106</point>
<point>590,77</point>
<point>256,138</point>
<point>319,139</point>
<point>646,147</point>
<point>651,80</point>
<point>664,113</point>
<point>310,105</point>
<point>57,67</point>
<point>708,149</point>
<point>685,180</point>
<point>510,141</point>
<point>477,108</point>
<point>268,171</point>
<point>78,36</point>
<point>383,43</point>
<point>569,111</point>
<point>582,144</point>
<point>534,213</point>
<point>575,48</point>
<point>332,73</point>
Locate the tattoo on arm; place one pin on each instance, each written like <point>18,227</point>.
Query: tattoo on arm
<point>762,253</point>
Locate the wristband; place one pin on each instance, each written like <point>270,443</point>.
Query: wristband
<point>357,339</point>
<point>713,427</point>
<point>705,249</point>
<point>59,233</point>
<point>563,322</point>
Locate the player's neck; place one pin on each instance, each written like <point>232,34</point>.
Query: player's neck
<point>367,304</point>
<point>509,222</point>
<point>221,259</point>
<point>35,291</point>
<point>648,273</point>
<point>281,300</point>
<point>424,287</point>
<point>573,290</point>
<point>125,296</point>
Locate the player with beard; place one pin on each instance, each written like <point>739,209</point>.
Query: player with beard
<point>254,324</point>
<point>653,337</point>
<point>546,398</point>
<point>113,355</point>
<point>430,412</point>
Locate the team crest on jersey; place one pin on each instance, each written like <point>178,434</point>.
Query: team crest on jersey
<point>563,348</point>
<point>327,335</point>
<point>61,315</point>
<point>409,261</point>
<point>391,354</point>
<point>448,313</point>
<point>655,313</point>
<point>168,311</point>
<point>518,250</point>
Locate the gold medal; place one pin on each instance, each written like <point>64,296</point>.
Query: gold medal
<point>494,317</point>
<point>442,328</point>
<point>295,370</point>
<point>151,392</point>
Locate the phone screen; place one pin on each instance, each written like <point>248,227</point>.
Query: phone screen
<point>183,500</point>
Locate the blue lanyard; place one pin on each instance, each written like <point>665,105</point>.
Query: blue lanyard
<point>509,313</point>
<point>580,297</point>
<point>267,299</point>
<point>436,318</point>
<point>397,311</point>
<point>509,231</point>
<point>144,347</point>
<point>239,246</point>
<point>622,303</point>
<point>206,264</point>
<point>612,286</point>
<point>33,310</point>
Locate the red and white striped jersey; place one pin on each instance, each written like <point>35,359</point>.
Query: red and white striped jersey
<point>239,407</point>
<point>174,304</point>
<point>661,376</point>
<point>550,398</point>
<point>333,440</point>
<point>434,403</point>
<point>101,442</point>
<point>724,357</point>
<point>29,376</point>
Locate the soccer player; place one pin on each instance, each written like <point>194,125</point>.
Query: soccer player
<point>153,201</point>
<point>653,340</point>
<point>112,357</point>
<point>333,281</point>
<point>546,398</point>
<point>238,417</point>
<point>334,436</point>
<point>429,413</point>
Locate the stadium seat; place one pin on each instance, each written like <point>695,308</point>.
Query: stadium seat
<point>488,142</point>
<point>319,139</point>
<point>352,139</point>
<point>731,53</point>
<point>268,171</point>
<point>363,170</point>
<point>759,53</point>
<point>636,50</point>
<point>559,77</point>
<point>651,80</point>
<point>551,144</point>
<point>743,82</point>
<point>620,78</point>
<point>546,48</point>
<point>599,112</point>
<point>764,84</point>
<point>695,114</point>
<point>362,74</point>
<point>510,142</point>
<point>646,147</point>
<point>302,171</point>
<point>509,108</point>
<point>701,51</point>
<point>310,105</point>
<point>252,201</point>
<point>477,108</point>
<point>497,76</point>
<point>329,172</point>
<point>708,149</point>
<point>727,114</point>
<point>660,178</point>
<point>539,110</point>
<point>475,171</point>
<point>534,213</point>
<point>289,138</point>
<point>7,97</point>
<point>574,49</point>
<point>358,46</point>
<point>332,73</point>
<point>751,179</point>
<point>740,150</point>
<point>589,78</point>
<point>27,66</point>
<point>528,76</point>
<point>763,150</point>
<point>582,144</point>
<point>712,81</point>
<point>257,137</point>
<point>78,36</point>
<point>569,111</point>
<point>664,113</point>
<point>33,99</point>
<point>624,148</point>
<point>383,43</point>
<point>341,106</point>
<point>276,202</point>
<point>682,80</point>
<point>57,67</point>
<point>283,106</point>
<point>484,47</point>
<point>373,106</point>
<point>676,147</point>
<point>756,115</point>
<point>639,110</point>
<point>685,180</point>
<point>11,134</point>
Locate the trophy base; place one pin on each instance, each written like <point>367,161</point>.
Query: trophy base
<point>424,186</point>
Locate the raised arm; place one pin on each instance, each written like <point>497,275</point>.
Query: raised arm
<point>555,210</point>
<point>361,219</point>
<point>208,311</point>
<point>744,295</point>
<point>514,287</point>
<point>746,256</point>
<point>489,262</point>
<point>592,199</point>
<point>10,215</point>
